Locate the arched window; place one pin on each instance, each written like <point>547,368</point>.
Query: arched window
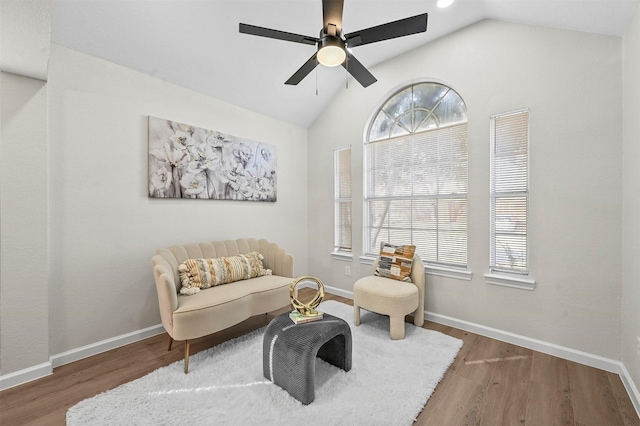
<point>416,174</point>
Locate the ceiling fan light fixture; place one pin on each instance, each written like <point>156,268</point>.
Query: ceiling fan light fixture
<point>333,48</point>
<point>444,3</point>
<point>331,56</point>
<point>331,51</point>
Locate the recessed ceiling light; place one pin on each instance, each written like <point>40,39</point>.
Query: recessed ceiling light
<point>444,3</point>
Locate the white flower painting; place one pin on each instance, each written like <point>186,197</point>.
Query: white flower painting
<point>191,162</point>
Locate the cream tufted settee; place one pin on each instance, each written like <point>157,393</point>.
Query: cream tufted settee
<point>187,317</point>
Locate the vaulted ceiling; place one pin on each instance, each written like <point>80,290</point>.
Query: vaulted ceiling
<point>197,45</point>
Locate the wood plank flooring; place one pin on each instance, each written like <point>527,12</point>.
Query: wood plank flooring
<point>489,383</point>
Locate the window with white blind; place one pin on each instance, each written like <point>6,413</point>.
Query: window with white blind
<point>342,197</point>
<point>509,192</point>
<point>416,175</point>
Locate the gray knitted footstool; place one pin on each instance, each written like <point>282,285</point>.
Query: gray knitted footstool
<point>289,352</point>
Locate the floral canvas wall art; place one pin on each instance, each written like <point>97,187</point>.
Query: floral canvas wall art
<point>191,162</point>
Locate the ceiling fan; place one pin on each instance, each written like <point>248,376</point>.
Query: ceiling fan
<point>333,47</point>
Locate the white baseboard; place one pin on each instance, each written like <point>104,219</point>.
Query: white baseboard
<point>575,355</point>
<point>43,370</point>
<point>26,375</point>
<point>105,345</point>
<point>631,387</point>
<point>580,357</point>
<point>337,291</point>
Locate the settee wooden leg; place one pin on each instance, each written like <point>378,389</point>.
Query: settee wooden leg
<point>170,343</point>
<point>186,356</point>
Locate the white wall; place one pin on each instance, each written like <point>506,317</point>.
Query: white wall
<point>25,36</point>
<point>24,259</point>
<point>104,229</point>
<point>631,201</point>
<point>572,84</point>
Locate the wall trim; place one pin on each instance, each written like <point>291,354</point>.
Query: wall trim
<point>328,289</point>
<point>337,291</point>
<point>26,375</point>
<point>104,345</point>
<point>39,371</point>
<point>597,361</point>
<point>521,282</point>
<point>631,387</point>
<point>563,352</point>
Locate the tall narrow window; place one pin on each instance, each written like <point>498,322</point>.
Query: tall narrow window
<point>416,175</point>
<point>342,191</point>
<point>509,192</point>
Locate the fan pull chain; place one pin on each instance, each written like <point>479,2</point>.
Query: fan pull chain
<point>346,75</point>
<point>316,81</point>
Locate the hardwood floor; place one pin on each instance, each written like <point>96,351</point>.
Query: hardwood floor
<point>489,383</point>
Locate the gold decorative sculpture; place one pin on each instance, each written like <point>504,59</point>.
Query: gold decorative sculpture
<point>306,309</point>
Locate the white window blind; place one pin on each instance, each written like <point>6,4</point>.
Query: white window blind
<point>509,192</point>
<point>416,193</point>
<point>342,190</point>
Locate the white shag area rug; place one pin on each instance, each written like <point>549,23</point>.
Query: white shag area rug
<point>389,383</point>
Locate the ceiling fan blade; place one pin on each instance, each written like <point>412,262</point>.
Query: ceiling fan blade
<point>304,70</point>
<point>403,27</point>
<point>279,35</point>
<point>358,71</point>
<point>332,14</point>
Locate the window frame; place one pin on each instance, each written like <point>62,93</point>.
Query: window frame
<point>500,275</point>
<point>441,269</point>
<point>339,252</point>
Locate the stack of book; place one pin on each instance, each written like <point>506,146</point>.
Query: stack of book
<point>298,318</point>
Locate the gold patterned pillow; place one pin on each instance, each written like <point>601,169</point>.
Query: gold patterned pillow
<point>197,274</point>
<point>395,262</point>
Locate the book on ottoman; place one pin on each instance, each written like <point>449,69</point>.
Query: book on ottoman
<point>298,318</point>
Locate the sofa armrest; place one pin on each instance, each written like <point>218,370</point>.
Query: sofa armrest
<point>167,296</point>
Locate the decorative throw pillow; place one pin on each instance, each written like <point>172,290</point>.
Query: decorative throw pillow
<point>395,262</point>
<point>197,274</point>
